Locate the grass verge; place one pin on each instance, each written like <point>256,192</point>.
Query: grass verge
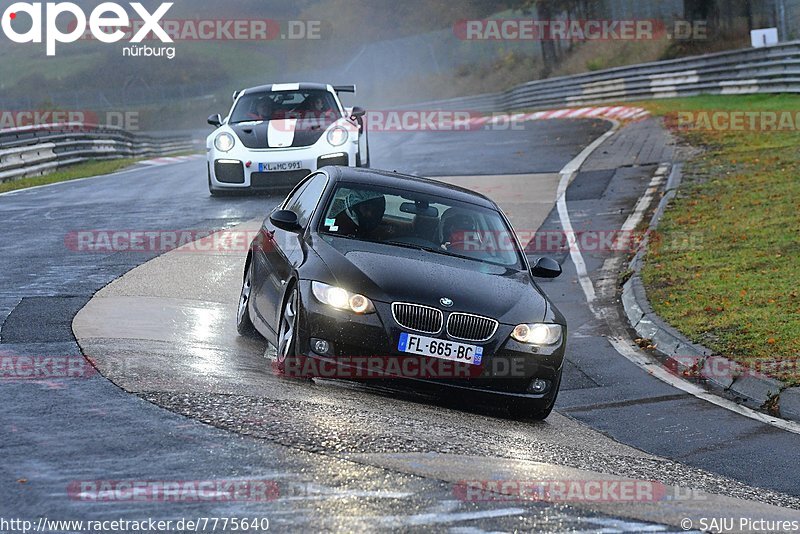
<point>74,172</point>
<point>726,268</point>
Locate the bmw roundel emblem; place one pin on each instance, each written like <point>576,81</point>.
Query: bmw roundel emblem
<point>446,302</point>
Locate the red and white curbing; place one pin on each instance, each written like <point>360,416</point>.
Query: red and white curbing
<point>607,112</point>
<point>157,162</point>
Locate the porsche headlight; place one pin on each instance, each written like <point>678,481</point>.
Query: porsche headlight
<point>537,334</point>
<point>337,136</point>
<point>342,299</point>
<point>224,142</point>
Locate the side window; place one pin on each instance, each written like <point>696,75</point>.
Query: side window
<point>305,200</point>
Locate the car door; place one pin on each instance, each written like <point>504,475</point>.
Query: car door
<point>267,259</point>
<point>286,252</point>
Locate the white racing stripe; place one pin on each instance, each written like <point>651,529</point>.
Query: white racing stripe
<point>280,132</point>
<point>624,347</point>
<point>285,86</point>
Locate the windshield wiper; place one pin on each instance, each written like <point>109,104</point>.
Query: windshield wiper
<point>410,245</point>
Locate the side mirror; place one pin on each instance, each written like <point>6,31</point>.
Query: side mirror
<point>358,112</point>
<point>285,220</point>
<point>215,120</point>
<point>546,268</point>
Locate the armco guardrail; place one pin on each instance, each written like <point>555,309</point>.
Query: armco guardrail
<point>774,69</point>
<point>38,150</point>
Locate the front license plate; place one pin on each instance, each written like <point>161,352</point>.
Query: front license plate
<point>440,348</point>
<point>275,167</point>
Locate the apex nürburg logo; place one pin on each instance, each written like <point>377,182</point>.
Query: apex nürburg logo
<point>104,22</point>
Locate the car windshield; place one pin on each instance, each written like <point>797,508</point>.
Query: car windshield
<point>415,220</point>
<point>274,105</point>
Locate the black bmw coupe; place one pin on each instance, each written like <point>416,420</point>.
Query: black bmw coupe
<point>365,274</point>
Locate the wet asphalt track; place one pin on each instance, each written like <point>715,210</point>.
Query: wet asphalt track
<point>87,429</point>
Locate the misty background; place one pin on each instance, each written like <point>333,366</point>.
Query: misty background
<point>398,53</point>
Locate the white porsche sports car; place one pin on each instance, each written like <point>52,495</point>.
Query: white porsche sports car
<point>275,135</point>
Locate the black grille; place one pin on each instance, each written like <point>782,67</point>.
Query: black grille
<point>229,173</point>
<point>419,318</point>
<point>277,180</point>
<point>470,327</point>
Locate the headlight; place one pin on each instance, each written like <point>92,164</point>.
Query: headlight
<point>337,136</point>
<point>537,334</point>
<point>341,299</point>
<point>224,142</point>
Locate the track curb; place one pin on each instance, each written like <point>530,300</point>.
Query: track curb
<point>691,360</point>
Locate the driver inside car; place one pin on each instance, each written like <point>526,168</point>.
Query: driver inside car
<point>263,110</point>
<point>459,232</point>
<point>362,215</point>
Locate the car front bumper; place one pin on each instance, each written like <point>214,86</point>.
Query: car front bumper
<point>364,347</point>
<point>241,168</point>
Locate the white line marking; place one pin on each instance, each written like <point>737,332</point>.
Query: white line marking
<point>567,174</point>
<point>654,369</point>
<point>644,202</point>
<point>433,519</point>
<point>622,347</point>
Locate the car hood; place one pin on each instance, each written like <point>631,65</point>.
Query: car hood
<point>281,133</point>
<point>392,274</point>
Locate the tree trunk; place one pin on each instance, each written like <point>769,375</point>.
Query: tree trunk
<point>549,54</point>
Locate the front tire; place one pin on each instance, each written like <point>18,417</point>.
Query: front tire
<point>244,325</point>
<point>289,356</point>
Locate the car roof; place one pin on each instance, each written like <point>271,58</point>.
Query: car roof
<point>289,87</point>
<point>408,182</point>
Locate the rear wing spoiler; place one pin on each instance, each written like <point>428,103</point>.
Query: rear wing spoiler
<point>345,88</point>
